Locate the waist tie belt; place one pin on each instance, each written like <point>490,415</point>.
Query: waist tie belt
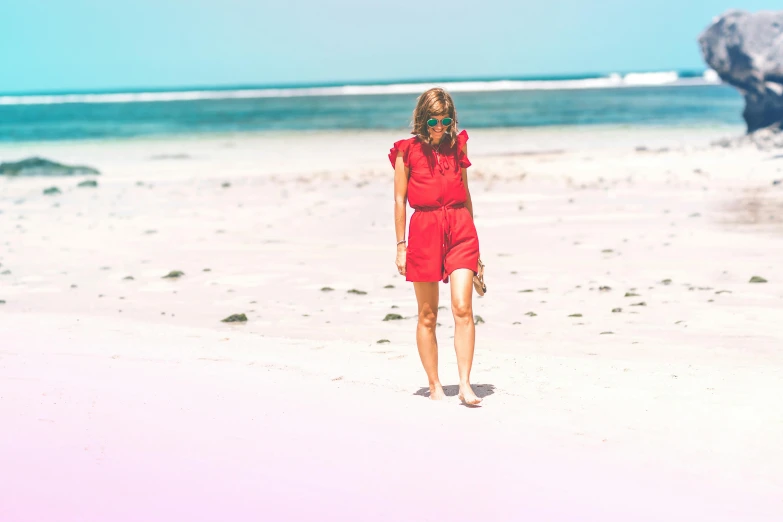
<point>445,232</point>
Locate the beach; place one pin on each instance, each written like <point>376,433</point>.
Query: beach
<point>629,368</point>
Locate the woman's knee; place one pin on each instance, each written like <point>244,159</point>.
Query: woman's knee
<point>428,318</point>
<point>462,310</point>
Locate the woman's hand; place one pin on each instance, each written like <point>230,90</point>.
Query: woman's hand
<point>400,261</point>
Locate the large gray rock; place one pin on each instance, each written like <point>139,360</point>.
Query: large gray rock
<point>42,167</point>
<point>746,50</point>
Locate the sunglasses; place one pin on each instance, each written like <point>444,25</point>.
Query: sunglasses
<point>434,121</point>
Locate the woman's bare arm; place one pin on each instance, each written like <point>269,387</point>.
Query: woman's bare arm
<point>400,198</point>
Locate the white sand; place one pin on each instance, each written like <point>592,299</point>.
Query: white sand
<point>130,400</point>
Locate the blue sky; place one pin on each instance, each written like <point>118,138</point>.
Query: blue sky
<point>62,45</point>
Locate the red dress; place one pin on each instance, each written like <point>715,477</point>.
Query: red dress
<point>441,235</point>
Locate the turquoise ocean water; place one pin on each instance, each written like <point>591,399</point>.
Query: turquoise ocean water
<point>673,98</point>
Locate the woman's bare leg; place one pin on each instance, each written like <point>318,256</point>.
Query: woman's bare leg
<point>427,298</point>
<point>464,330</point>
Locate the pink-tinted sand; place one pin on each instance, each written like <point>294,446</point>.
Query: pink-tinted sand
<point>128,400</point>
<point>182,424</point>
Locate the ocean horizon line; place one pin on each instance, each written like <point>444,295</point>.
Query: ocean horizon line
<point>388,87</point>
<point>683,73</point>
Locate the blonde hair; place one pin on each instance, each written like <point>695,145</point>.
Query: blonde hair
<point>434,102</point>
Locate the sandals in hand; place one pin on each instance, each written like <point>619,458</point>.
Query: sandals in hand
<point>478,280</point>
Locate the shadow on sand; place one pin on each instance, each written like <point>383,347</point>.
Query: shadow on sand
<point>452,390</point>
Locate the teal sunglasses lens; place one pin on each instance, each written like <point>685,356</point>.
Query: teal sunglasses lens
<point>433,121</point>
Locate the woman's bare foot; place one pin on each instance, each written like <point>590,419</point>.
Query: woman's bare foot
<point>467,396</point>
<point>436,392</point>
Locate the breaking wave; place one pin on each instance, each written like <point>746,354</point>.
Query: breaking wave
<point>614,80</point>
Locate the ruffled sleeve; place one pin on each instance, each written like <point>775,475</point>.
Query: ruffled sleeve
<point>462,158</point>
<point>400,146</point>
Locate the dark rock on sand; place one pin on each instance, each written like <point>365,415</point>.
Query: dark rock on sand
<point>235,318</point>
<point>575,315</point>
<point>617,310</point>
<point>745,50</point>
<point>88,183</point>
<point>357,292</point>
<point>389,286</point>
<point>327,289</point>
<point>42,167</point>
<point>51,191</point>
<point>392,317</point>
<point>478,319</point>
<point>757,279</point>
<point>383,341</point>
<point>173,274</point>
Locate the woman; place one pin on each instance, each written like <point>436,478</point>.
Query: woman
<point>430,171</point>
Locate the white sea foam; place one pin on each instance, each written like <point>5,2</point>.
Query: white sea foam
<point>711,76</point>
<point>656,78</point>
<point>613,80</point>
